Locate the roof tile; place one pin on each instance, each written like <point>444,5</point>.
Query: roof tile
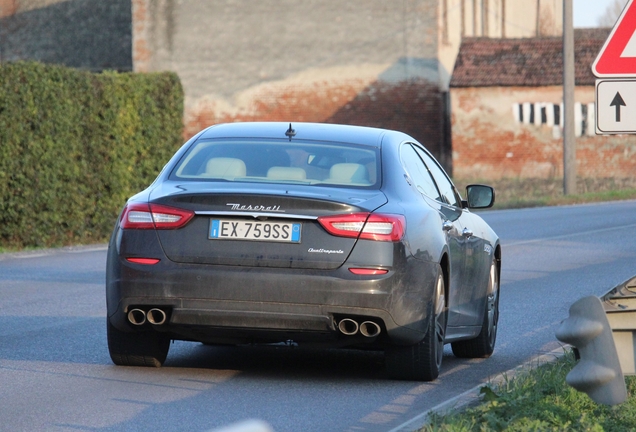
<point>533,62</point>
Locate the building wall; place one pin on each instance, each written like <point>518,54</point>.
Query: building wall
<point>86,34</point>
<point>489,141</point>
<point>369,62</point>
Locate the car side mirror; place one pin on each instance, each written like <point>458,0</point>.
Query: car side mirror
<point>479,196</point>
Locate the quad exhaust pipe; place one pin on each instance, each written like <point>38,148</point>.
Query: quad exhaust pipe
<point>137,317</point>
<point>154,316</point>
<point>350,327</point>
<point>369,329</point>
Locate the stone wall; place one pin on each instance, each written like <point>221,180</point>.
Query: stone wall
<point>489,141</point>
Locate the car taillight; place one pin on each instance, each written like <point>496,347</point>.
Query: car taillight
<point>369,226</point>
<point>149,216</point>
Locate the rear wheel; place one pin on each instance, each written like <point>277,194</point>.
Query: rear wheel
<point>148,348</point>
<point>423,361</point>
<point>484,345</point>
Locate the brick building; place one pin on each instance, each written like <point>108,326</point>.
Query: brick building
<point>382,63</point>
<point>506,97</point>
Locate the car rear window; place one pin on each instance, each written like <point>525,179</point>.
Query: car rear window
<point>324,164</point>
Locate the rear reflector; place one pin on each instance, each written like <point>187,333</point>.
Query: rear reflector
<point>369,226</point>
<point>145,261</point>
<point>368,271</point>
<point>154,216</point>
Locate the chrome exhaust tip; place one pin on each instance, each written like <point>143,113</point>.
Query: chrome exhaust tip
<point>369,329</point>
<point>137,317</point>
<point>156,316</point>
<point>348,327</point>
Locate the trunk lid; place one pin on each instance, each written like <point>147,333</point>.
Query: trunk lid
<point>260,226</point>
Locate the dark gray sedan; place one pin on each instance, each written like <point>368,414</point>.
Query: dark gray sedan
<point>337,236</point>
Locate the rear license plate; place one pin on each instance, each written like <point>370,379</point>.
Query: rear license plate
<point>227,229</point>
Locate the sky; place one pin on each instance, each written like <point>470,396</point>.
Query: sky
<point>587,12</point>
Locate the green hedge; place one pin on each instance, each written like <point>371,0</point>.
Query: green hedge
<point>75,145</point>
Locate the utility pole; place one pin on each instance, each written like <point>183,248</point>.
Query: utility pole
<point>569,144</point>
<point>538,20</point>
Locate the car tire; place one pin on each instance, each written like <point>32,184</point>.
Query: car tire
<point>147,348</point>
<point>422,361</point>
<point>484,345</point>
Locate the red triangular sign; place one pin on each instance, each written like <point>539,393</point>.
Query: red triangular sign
<point>618,56</point>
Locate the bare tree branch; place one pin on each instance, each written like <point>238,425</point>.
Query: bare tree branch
<point>609,18</point>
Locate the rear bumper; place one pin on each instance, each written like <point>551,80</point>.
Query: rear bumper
<point>217,303</point>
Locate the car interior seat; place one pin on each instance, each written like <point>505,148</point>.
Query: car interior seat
<point>348,173</point>
<point>223,167</point>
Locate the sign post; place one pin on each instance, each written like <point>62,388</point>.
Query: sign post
<point>616,66</point>
<point>569,143</point>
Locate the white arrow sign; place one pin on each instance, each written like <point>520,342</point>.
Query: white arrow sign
<point>616,106</point>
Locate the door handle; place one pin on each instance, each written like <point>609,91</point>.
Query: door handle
<point>447,225</point>
<point>467,233</point>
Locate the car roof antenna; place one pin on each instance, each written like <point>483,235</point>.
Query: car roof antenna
<point>290,132</point>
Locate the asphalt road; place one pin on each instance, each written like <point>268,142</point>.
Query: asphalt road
<point>55,372</point>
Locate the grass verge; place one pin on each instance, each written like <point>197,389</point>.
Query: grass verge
<point>540,400</point>
<point>9,249</point>
<point>534,192</point>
